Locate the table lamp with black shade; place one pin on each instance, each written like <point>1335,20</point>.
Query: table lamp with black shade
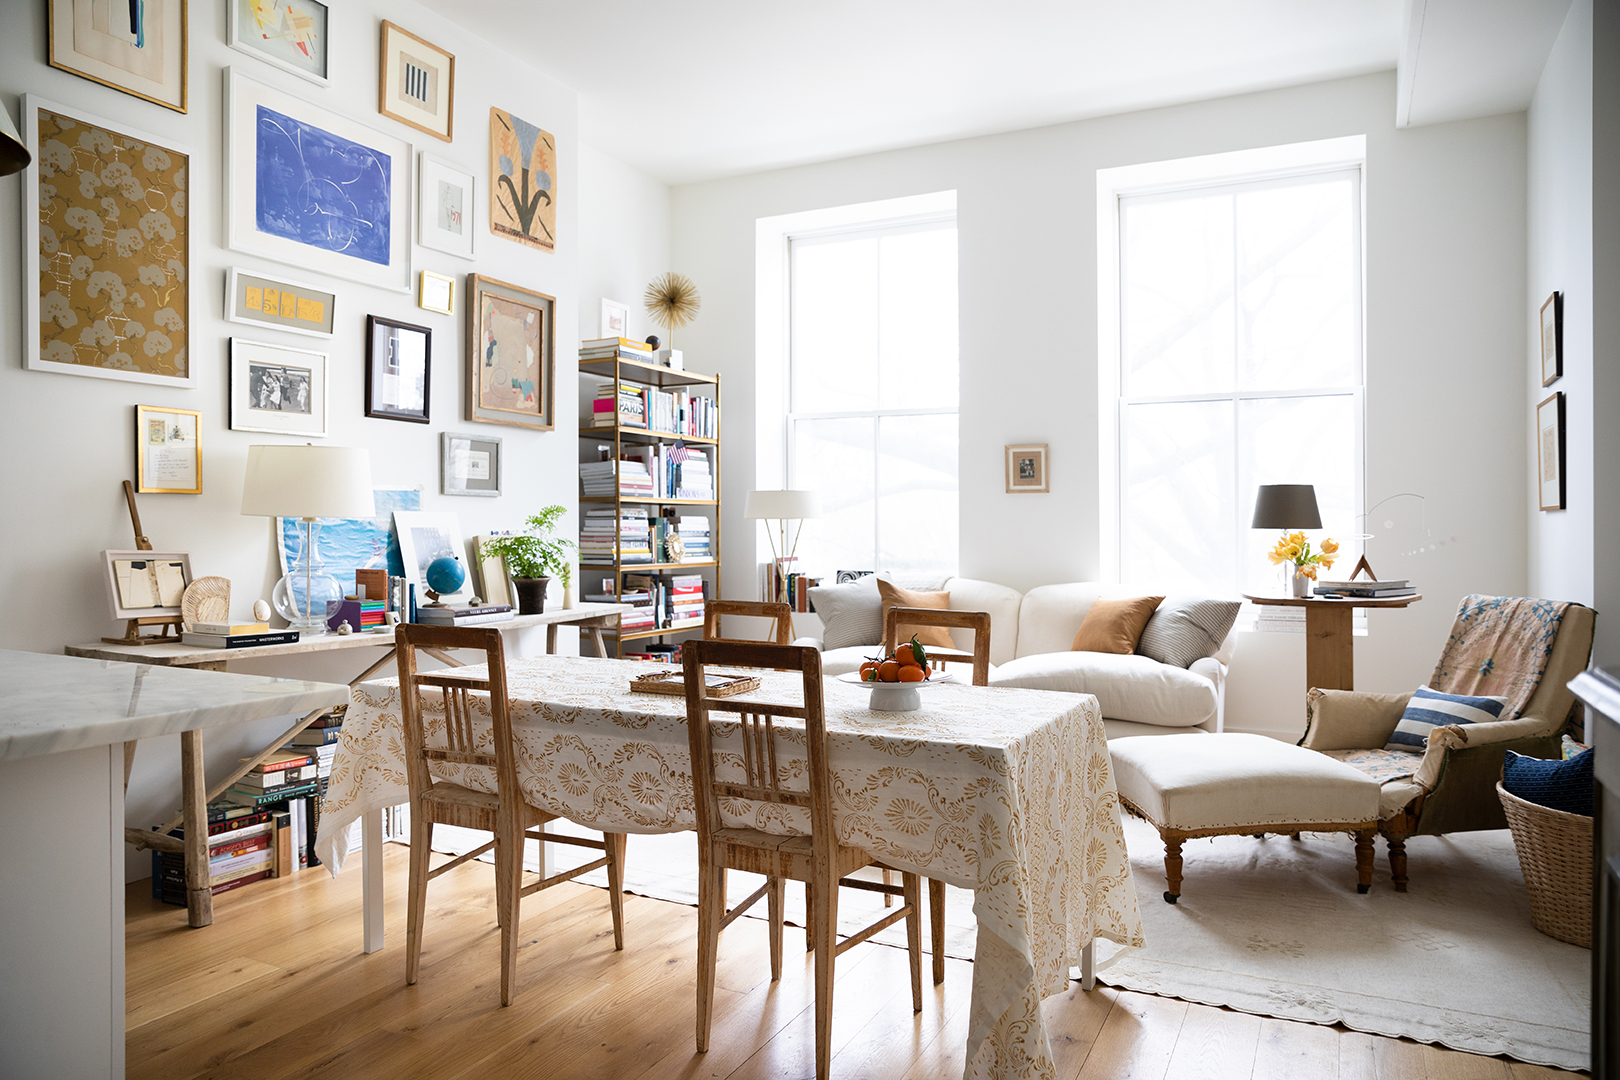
<point>1288,507</point>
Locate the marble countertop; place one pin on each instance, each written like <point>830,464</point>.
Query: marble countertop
<point>50,704</point>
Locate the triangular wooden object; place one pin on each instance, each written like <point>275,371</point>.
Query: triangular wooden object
<point>1363,564</point>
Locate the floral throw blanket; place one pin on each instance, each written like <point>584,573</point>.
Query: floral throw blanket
<point>1498,648</point>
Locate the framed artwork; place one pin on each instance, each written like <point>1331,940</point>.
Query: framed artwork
<point>492,572</point>
<point>106,249</point>
<point>446,206</point>
<point>145,584</point>
<point>286,305</point>
<point>399,370</point>
<point>277,389</point>
<point>522,181</point>
<point>1026,469</point>
<point>137,47</point>
<point>416,82</point>
<point>168,456</point>
<point>290,34</point>
<point>615,319</point>
<point>509,354</point>
<point>436,293</point>
<point>471,465</point>
<point>306,186</point>
<point>1550,451</point>
<point>1552,339</point>
<point>425,536</point>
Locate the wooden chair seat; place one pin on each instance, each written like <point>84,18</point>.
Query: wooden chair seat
<point>465,808</point>
<point>784,856</point>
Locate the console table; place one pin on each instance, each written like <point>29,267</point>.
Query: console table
<point>1330,657</point>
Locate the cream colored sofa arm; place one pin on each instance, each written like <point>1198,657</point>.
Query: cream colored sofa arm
<point>1350,719</point>
<point>1212,669</point>
<point>1455,736</point>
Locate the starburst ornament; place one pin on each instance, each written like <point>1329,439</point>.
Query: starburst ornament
<point>672,301</point>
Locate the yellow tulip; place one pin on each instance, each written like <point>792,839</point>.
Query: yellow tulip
<point>1330,547</point>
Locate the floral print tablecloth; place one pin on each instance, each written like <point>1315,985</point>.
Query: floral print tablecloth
<point>1003,791</point>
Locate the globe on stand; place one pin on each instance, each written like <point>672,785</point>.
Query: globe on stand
<point>444,575</point>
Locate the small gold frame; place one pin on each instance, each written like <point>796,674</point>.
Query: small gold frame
<point>448,284</point>
<point>163,465</point>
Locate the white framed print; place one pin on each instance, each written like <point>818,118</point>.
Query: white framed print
<point>288,34</point>
<point>312,188</point>
<point>425,536</point>
<point>615,319</point>
<point>277,389</point>
<point>446,206</point>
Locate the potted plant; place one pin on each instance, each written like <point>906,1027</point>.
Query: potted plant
<point>530,554</point>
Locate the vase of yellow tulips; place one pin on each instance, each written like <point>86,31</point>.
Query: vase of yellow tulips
<point>1293,552</point>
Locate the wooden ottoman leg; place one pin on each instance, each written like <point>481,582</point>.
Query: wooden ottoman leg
<point>1397,862</point>
<point>1172,866</point>
<point>1364,859</point>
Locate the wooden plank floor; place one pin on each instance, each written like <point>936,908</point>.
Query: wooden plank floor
<point>278,988</point>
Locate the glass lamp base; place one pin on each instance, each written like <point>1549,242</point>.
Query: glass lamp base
<point>302,600</point>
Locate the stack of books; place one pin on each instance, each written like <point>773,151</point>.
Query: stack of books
<point>629,478</point>
<point>694,534</point>
<point>684,605</point>
<point>625,406</point>
<point>639,590</point>
<point>463,614</point>
<point>606,534</point>
<point>214,635</point>
<point>1365,590</point>
<point>799,586</point>
<point>1280,619</point>
<point>616,348</point>
<point>267,784</point>
<point>694,477</point>
<point>679,412</point>
<point>241,850</point>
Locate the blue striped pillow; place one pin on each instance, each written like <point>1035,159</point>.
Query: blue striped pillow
<point>1430,709</point>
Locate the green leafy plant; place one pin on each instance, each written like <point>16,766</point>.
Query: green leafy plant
<point>532,553</point>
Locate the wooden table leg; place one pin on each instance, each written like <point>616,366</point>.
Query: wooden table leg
<point>371,879</point>
<point>1330,657</point>
<point>551,639</point>
<point>597,642</point>
<point>1088,966</point>
<point>199,897</point>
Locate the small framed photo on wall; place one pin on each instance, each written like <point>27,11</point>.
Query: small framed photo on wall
<point>1552,339</point>
<point>399,370</point>
<point>277,389</point>
<point>168,456</point>
<point>1026,468</point>
<point>615,319</point>
<point>446,206</point>
<point>436,293</point>
<point>471,464</point>
<point>1550,452</point>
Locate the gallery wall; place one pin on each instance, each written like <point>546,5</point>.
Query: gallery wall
<point>1446,323</point>
<point>70,440</point>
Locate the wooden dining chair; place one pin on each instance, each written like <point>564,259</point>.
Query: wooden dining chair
<point>780,614</point>
<point>463,738</point>
<point>979,623</point>
<point>753,737</point>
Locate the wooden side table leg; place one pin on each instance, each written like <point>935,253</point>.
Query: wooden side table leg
<point>597,643</point>
<point>551,639</point>
<point>1364,859</point>
<point>193,795</point>
<point>1172,867</point>
<point>1330,654</point>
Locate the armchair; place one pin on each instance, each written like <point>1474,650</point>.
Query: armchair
<point>1451,787</point>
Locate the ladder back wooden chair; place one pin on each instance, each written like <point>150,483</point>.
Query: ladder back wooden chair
<point>780,615</point>
<point>464,738</point>
<point>979,623</point>
<point>754,741</point>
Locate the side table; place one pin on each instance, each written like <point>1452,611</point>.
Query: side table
<point>1330,658</point>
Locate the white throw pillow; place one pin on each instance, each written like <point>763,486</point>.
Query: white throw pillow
<point>851,614</point>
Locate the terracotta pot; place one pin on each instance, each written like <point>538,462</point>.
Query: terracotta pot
<point>531,594</point>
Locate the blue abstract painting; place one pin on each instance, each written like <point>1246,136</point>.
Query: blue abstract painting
<point>320,189</point>
<point>347,544</point>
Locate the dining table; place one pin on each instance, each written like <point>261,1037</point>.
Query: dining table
<point>1008,792</point>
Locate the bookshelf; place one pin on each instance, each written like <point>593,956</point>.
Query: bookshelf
<point>624,438</point>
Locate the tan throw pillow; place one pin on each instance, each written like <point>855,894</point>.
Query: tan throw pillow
<point>894,596</point>
<point>1115,626</point>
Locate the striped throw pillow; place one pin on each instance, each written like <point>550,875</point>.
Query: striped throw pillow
<point>1430,709</point>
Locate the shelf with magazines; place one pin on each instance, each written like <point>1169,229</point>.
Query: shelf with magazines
<point>649,467</point>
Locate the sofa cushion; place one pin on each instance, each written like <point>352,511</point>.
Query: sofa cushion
<point>1050,615</point>
<point>1127,687</point>
<point>1185,629</point>
<point>851,614</point>
<point>971,594</point>
<point>1430,709</point>
<point>849,658</point>
<point>893,596</point>
<point>1114,626</point>
<point>1558,785</point>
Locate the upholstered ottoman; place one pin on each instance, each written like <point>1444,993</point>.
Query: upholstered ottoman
<point>1214,785</point>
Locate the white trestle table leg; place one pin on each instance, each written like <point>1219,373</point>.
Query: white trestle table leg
<point>371,869</point>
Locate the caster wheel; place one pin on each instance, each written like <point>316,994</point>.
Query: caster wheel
<point>1170,897</point>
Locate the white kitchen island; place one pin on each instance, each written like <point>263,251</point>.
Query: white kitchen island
<point>63,725</point>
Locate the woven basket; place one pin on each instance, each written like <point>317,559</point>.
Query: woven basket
<point>1555,855</point>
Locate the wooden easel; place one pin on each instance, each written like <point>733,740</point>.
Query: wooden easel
<point>132,627</point>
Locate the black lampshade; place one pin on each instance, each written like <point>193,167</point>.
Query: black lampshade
<point>1286,506</point>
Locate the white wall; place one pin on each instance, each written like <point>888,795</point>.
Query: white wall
<point>1445,327</point>
<point>70,440</point>
<point>624,239</point>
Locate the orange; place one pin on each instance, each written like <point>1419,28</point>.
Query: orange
<point>906,655</point>
<point>912,673</point>
<point>869,671</point>
<point>889,671</point>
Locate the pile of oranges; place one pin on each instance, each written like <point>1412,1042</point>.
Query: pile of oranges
<point>908,664</point>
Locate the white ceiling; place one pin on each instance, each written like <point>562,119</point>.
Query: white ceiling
<point>707,88</point>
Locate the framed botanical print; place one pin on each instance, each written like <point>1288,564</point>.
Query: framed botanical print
<point>137,47</point>
<point>168,454</point>
<point>277,389</point>
<point>1550,452</point>
<point>307,186</point>
<point>471,464</point>
<point>509,354</point>
<point>1026,469</point>
<point>107,249</point>
<point>416,82</point>
<point>285,305</point>
<point>399,370</point>
<point>446,206</point>
<point>1552,339</point>
<point>522,181</point>
<point>288,34</point>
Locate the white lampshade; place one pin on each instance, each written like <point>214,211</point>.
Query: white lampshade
<point>308,482</point>
<point>779,505</point>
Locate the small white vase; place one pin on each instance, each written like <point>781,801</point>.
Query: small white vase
<point>1302,583</point>
<point>571,591</point>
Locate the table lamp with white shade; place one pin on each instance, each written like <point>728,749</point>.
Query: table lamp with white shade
<point>308,482</point>
<point>782,507</point>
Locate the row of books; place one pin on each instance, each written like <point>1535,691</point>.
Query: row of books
<point>617,348</point>
<point>606,534</point>
<point>647,408</point>
<point>1365,590</point>
<point>629,478</point>
<point>660,601</point>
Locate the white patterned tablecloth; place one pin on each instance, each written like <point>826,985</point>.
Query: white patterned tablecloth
<point>1003,791</point>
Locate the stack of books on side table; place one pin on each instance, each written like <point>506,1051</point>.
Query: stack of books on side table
<point>1365,590</point>
<point>215,635</point>
<point>1280,620</point>
<point>463,614</point>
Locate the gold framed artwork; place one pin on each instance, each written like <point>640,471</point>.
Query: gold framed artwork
<point>1026,468</point>
<point>1552,339</point>
<point>139,48</point>
<point>1550,452</point>
<point>510,336</point>
<point>416,82</point>
<point>107,249</point>
<point>436,293</point>
<point>168,454</point>
<point>286,305</point>
<point>522,181</point>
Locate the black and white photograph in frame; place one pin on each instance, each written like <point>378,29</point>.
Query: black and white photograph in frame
<point>470,465</point>
<point>277,389</point>
<point>399,370</point>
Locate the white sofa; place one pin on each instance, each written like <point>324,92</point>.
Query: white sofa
<point>1030,635</point>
